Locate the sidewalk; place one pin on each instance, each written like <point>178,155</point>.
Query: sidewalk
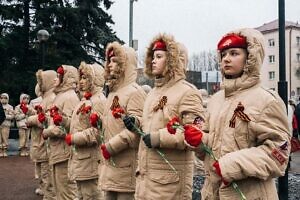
<point>295,164</point>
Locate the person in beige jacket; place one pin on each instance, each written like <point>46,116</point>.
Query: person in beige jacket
<point>246,126</point>
<point>38,149</point>
<point>5,126</point>
<point>85,138</point>
<point>117,177</point>
<point>22,112</point>
<point>59,125</point>
<point>172,96</point>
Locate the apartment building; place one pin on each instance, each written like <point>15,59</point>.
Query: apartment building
<point>270,69</point>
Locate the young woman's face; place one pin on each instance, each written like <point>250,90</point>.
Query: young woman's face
<point>233,61</point>
<point>159,62</point>
<point>84,83</point>
<point>112,66</point>
<point>57,80</point>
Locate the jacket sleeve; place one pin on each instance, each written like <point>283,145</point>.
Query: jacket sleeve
<point>87,137</point>
<point>54,131</point>
<point>190,107</point>
<point>68,110</point>
<point>33,121</point>
<point>2,114</point>
<point>10,114</point>
<point>19,115</point>
<point>270,157</point>
<point>127,139</point>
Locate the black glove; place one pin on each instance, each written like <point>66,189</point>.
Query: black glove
<point>147,140</point>
<point>129,122</point>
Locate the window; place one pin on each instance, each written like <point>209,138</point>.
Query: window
<point>298,57</point>
<point>298,40</point>
<point>271,42</point>
<point>271,75</point>
<point>271,59</point>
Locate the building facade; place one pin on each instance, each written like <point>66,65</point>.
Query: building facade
<point>270,68</point>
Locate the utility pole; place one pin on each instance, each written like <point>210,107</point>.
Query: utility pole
<point>282,87</point>
<point>130,21</point>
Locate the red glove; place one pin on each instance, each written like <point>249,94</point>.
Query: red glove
<point>192,135</point>
<point>105,153</point>
<point>24,108</point>
<point>68,139</point>
<point>218,171</point>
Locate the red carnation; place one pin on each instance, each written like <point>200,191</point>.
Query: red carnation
<point>38,108</point>
<point>117,112</point>
<point>94,118</point>
<point>41,117</point>
<point>86,109</point>
<point>57,119</point>
<point>53,111</point>
<point>60,70</point>
<point>87,95</point>
<point>24,107</point>
<point>172,125</point>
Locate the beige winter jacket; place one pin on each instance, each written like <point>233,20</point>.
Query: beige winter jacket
<point>9,112</point>
<point>250,153</point>
<point>85,156</point>
<point>66,99</point>
<point>38,149</point>
<point>122,143</point>
<point>155,178</point>
<point>20,117</point>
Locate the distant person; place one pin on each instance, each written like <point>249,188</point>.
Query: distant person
<point>38,149</point>
<point>59,121</point>
<point>22,112</point>
<point>297,113</point>
<point>246,128</point>
<point>6,115</point>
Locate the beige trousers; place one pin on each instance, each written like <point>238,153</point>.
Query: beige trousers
<point>4,136</point>
<point>64,188</point>
<point>110,195</point>
<point>43,173</point>
<point>88,190</point>
<point>23,138</point>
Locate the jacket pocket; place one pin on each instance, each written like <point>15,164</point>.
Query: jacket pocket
<point>241,134</point>
<point>164,185</point>
<point>83,156</point>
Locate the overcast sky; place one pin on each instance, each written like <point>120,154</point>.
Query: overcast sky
<point>199,24</point>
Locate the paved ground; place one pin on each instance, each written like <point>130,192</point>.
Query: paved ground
<point>295,164</point>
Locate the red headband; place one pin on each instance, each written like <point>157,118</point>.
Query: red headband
<point>110,53</point>
<point>159,45</point>
<point>60,70</point>
<point>232,41</point>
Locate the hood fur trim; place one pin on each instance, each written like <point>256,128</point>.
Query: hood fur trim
<point>126,60</point>
<point>174,65</point>
<point>70,79</point>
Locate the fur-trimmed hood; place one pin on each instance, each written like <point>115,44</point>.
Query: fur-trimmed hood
<point>69,81</point>
<point>5,95</point>
<point>45,80</point>
<point>256,54</point>
<point>176,59</point>
<point>95,75</point>
<point>23,96</point>
<point>126,68</point>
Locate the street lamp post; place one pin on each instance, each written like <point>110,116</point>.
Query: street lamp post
<point>282,87</point>
<point>42,37</point>
<point>130,21</point>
